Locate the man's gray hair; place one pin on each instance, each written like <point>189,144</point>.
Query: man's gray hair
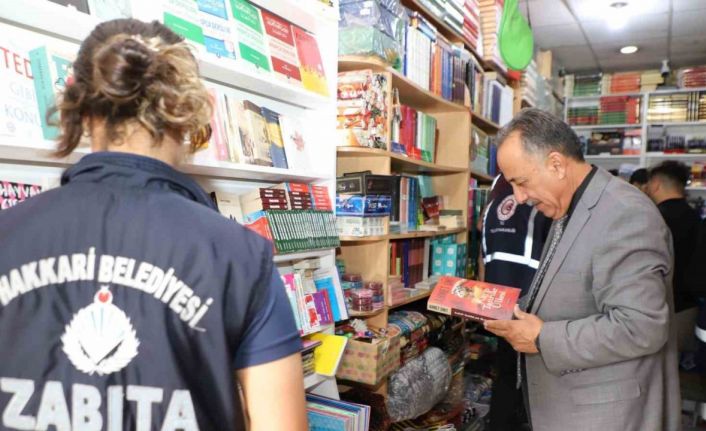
<point>541,133</point>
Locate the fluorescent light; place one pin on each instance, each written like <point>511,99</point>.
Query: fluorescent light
<point>630,49</point>
<point>617,16</point>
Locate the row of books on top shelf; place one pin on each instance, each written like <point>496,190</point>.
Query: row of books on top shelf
<point>243,132</point>
<point>253,37</point>
<point>596,84</point>
<point>678,107</point>
<point>462,16</point>
<point>315,295</point>
<point>368,204</point>
<point>483,153</point>
<point>295,217</point>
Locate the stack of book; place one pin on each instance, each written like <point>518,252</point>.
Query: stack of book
<point>409,260</point>
<point>490,15</point>
<point>471,25</point>
<point>315,295</point>
<point>587,85</point>
<point>530,82</point>
<point>650,79</point>
<point>308,347</point>
<point>619,110</point>
<point>296,217</point>
<point>499,99</point>
<point>363,103</point>
<point>329,414</point>
<point>692,77</point>
<point>449,257</point>
<point>475,78</point>
<point>677,107</point>
<point>584,114</point>
<point>627,82</point>
<point>252,37</point>
<point>414,135</point>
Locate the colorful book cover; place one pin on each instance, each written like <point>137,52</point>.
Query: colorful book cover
<point>217,31</point>
<point>311,65</point>
<point>182,16</point>
<point>329,354</point>
<point>297,144</point>
<point>323,307</point>
<point>258,128</point>
<point>283,53</point>
<point>274,134</point>
<point>219,138</point>
<point>52,72</point>
<point>291,289</point>
<point>13,193</point>
<point>310,314</point>
<point>250,35</point>
<point>242,143</point>
<point>475,300</point>
<point>327,279</point>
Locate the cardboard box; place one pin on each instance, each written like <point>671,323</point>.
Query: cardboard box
<point>544,64</point>
<point>369,363</point>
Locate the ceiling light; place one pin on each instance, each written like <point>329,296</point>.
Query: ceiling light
<point>619,4</point>
<point>630,49</point>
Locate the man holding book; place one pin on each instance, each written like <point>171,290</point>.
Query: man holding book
<point>597,348</point>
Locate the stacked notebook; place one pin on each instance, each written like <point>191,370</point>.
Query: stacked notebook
<point>326,414</point>
<point>490,15</point>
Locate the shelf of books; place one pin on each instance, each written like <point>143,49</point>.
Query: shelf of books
<point>270,164</point>
<point>400,163</point>
<point>485,124</point>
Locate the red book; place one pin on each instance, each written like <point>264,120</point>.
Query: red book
<point>285,63</point>
<point>311,66</point>
<point>474,300</point>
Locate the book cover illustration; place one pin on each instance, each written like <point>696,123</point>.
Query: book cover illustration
<point>52,71</point>
<point>12,193</point>
<point>297,145</point>
<point>258,130</point>
<point>311,65</point>
<point>283,53</point>
<point>274,135</point>
<point>244,143</point>
<point>250,35</point>
<point>217,31</point>
<point>19,116</point>
<point>475,300</point>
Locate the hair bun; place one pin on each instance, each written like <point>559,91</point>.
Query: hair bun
<point>120,69</point>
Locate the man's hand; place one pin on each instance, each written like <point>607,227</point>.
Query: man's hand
<point>521,334</point>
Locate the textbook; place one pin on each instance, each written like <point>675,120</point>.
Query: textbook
<point>472,299</point>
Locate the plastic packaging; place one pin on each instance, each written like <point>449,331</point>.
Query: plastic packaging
<point>369,41</point>
<point>419,385</point>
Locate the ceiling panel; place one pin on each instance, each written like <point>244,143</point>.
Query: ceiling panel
<point>574,58</point>
<point>690,23</point>
<point>592,10</point>
<point>688,45</point>
<point>547,12</point>
<point>682,5</point>
<point>645,26</point>
<point>558,35</point>
<point>687,59</point>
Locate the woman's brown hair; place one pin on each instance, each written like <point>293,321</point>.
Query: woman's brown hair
<point>131,71</point>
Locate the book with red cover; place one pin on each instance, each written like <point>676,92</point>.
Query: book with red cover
<point>474,300</point>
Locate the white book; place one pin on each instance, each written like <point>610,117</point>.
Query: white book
<point>298,146</point>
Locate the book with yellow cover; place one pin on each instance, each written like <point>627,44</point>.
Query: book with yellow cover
<point>328,355</point>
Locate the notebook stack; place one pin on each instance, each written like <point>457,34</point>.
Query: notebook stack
<point>326,414</point>
<point>529,83</point>
<point>692,77</point>
<point>490,15</point>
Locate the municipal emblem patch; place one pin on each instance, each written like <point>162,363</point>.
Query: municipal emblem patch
<point>100,338</point>
<point>507,208</point>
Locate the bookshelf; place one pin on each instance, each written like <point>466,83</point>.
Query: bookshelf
<point>644,158</point>
<point>407,235</point>
<point>488,126</point>
<point>47,23</point>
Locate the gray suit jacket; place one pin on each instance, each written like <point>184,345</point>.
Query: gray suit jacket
<point>608,358</point>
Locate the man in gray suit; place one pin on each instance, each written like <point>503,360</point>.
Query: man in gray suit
<point>598,350</point>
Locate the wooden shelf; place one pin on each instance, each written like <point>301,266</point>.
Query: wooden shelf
<point>310,254</point>
<point>410,300</point>
<point>408,235</point>
<point>607,126</point>
<point>354,314</point>
<point>400,163</point>
<point>483,178</point>
<point>676,123</point>
<point>676,156</point>
<point>411,94</point>
<point>486,125</point>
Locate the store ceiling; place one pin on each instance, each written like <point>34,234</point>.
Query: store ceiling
<point>586,35</point>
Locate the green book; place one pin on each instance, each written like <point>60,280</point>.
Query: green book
<point>250,35</point>
<point>51,71</point>
<point>182,17</point>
